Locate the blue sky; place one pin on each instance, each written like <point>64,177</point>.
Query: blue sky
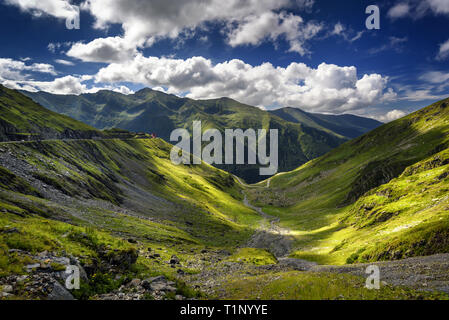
<point>314,55</point>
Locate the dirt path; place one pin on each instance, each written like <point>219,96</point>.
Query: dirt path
<point>269,235</point>
<point>422,273</point>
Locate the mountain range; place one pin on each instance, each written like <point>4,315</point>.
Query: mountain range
<point>140,227</point>
<point>302,136</point>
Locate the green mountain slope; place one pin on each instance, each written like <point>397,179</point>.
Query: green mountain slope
<point>346,125</point>
<point>381,196</point>
<point>156,112</point>
<point>23,119</point>
<point>104,200</point>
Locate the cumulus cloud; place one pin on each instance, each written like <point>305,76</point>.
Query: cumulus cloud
<point>112,49</point>
<point>245,22</point>
<point>328,88</point>
<point>11,69</point>
<point>64,85</point>
<point>167,18</point>
<point>59,9</point>
<point>392,115</point>
<point>254,29</point>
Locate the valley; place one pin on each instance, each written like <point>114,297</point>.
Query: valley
<point>140,227</point>
<point>302,137</point>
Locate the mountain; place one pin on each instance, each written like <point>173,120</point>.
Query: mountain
<point>118,207</point>
<point>152,111</point>
<point>382,196</point>
<point>23,119</point>
<point>347,125</point>
<point>139,227</point>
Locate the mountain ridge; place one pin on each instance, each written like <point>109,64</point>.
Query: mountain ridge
<point>156,112</point>
<point>382,196</point>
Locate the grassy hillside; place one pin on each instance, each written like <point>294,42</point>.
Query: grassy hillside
<point>79,197</point>
<point>381,196</point>
<point>156,112</point>
<point>346,125</point>
<point>23,119</point>
<point>119,206</point>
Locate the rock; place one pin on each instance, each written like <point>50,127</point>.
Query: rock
<point>181,272</point>
<point>224,252</point>
<point>158,279</point>
<point>158,286</point>
<point>8,289</point>
<point>15,251</point>
<point>32,266</point>
<point>174,260</point>
<point>131,240</point>
<point>60,293</point>
<point>204,251</point>
<point>135,282</point>
<point>169,289</point>
<point>179,297</point>
<point>146,285</point>
<point>123,258</point>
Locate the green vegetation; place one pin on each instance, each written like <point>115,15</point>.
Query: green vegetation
<point>346,125</point>
<point>315,286</point>
<point>23,119</point>
<point>300,139</point>
<point>122,202</point>
<point>382,196</point>
<point>254,256</point>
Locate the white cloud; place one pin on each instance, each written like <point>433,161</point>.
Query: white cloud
<point>418,8</point>
<point>144,22</point>
<point>421,94</point>
<point>112,49</point>
<point>395,43</point>
<point>399,11</point>
<point>123,90</point>
<point>338,29</point>
<point>64,85</point>
<point>392,115</point>
<point>13,69</point>
<point>64,62</point>
<point>305,4</point>
<point>347,34</point>
<point>255,29</point>
<point>439,6</point>
<point>435,77</point>
<point>57,8</point>
<point>167,18</point>
<point>328,88</point>
<point>444,51</point>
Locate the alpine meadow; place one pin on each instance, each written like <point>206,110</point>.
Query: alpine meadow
<point>196,152</point>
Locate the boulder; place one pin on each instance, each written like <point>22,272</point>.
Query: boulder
<point>60,293</point>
